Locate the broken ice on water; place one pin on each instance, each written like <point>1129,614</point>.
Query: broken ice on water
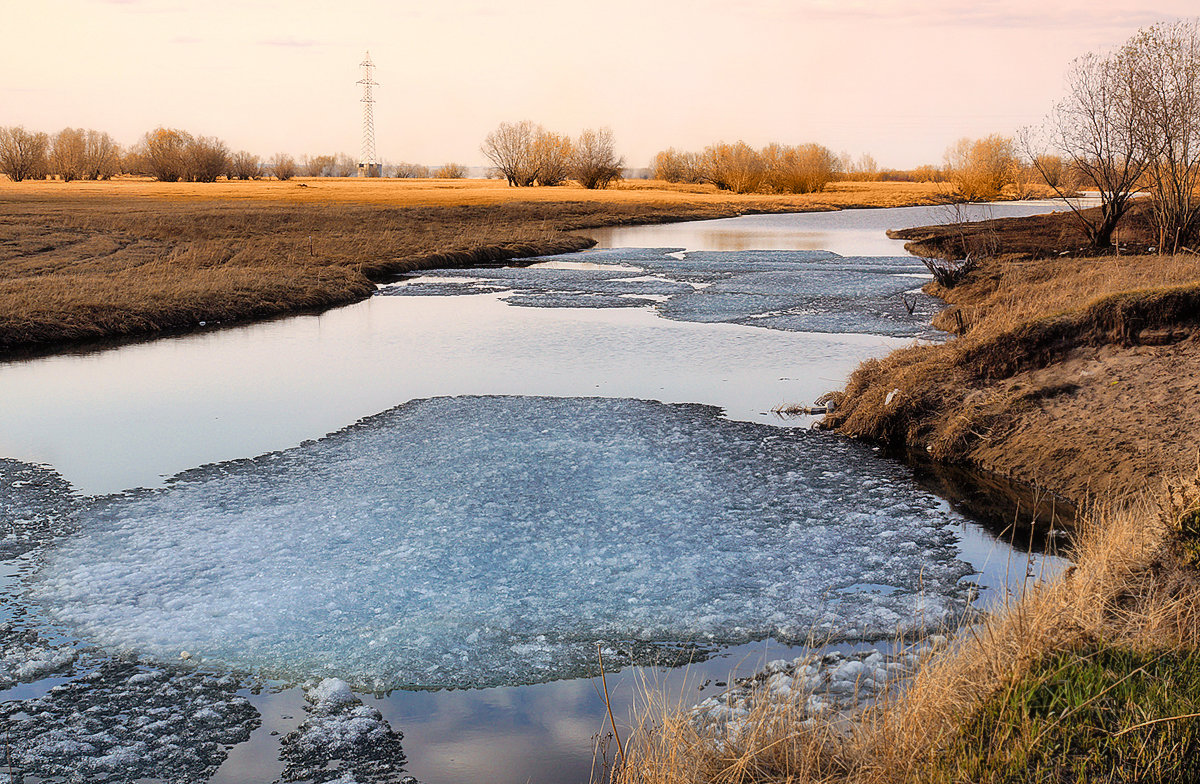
<point>494,540</point>
<point>127,721</point>
<point>800,291</point>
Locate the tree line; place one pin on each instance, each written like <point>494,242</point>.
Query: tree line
<point>167,155</point>
<point>738,167</point>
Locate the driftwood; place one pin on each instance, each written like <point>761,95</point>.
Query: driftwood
<point>823,405</point>
<point>949,272</point>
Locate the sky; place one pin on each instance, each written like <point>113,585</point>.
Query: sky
<point>897,79</point>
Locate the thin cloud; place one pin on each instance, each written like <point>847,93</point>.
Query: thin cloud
<point>185,39</point>
<point>985,13</point>
<point>294,43</point>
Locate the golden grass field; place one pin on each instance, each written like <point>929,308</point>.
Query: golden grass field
<point>83,261</point>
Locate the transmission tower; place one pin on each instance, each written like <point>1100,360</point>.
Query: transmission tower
<point>368,164</point>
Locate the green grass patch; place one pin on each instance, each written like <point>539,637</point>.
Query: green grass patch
<point>1098,715</point>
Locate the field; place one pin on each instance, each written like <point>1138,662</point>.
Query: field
<point>86,261</point>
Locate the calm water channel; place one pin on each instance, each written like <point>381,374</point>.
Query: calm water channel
<point>447,495</point>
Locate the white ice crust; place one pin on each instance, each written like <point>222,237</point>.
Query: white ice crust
<point>489,540</point>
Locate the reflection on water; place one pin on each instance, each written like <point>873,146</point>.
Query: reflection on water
<point>1027,519</point>
<point>846,232</point>
<point>131,416</point>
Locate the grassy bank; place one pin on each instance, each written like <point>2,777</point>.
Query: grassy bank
<point>89,260</point>
<point>1079,375</point>
<point>1092,677</point>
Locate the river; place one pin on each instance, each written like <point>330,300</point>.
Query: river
<point>446,495</point>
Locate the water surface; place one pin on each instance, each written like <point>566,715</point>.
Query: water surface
<point>467,482</point>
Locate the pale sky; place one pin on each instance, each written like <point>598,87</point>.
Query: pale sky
<point>898,79</point>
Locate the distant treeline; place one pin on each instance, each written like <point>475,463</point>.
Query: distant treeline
<point>527,154</point>
<point>168,155</point>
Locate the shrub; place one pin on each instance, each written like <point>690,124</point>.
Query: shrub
<point>244,166</point>
<point>451,171</point>
<point>807,168</point>
<point>979,169</point>
<point>283,166</point>
<point>675,166</point>
<point>411,171</point>
<point>162,154</point>
<point>553,155</point>
<point>102,156</point>
<point>207,158</point>
<point>733,167</point>
<point>68,154</point>
<point>318,166</point>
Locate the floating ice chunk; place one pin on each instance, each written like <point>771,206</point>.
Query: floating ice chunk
<point>341,740</point>
<point>476,541</point>
<point>789,290</point>
<point>125,723</point>
<point>25,656</point>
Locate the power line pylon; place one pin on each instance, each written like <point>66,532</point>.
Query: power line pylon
<point>368,164</point>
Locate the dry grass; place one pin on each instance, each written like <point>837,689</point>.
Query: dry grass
<point>1126,591</point>
<point>1014,315</point>
<point>88,260</point>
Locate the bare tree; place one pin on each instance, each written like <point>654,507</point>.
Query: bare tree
<point>1166,57</point>
<point>1095,128</point>
<point>510,148</point>
<point>207,159</point>
<point>68,154</point>
<point>283,166</point>
<point>596,163</point>
<point>451,171</point>
<point>318,166</point>
<point>162,154</point>
<point>23,154</point>
<point>244,166</point>
<point>102,156</point>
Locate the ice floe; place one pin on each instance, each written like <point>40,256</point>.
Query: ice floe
<point>494,540</point>
<point>802,291</point>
